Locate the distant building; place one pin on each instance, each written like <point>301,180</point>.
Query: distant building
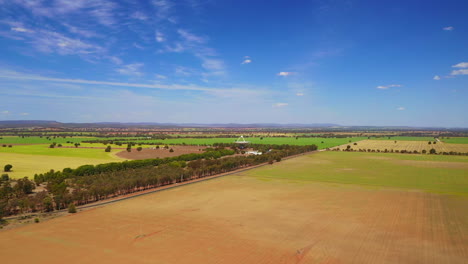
<point>253,152</point>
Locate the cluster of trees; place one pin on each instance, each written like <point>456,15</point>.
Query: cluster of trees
<point>431,151</point>
<point>89,183</point>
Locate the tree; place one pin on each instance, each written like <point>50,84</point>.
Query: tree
<point>47,204</point>
<point>171,150</point>
<point>108,149</point>
<point>429,142</point>
<point>432,151</point>
<point>71,208</point>
<point>5,177</point>
<point>7,168</point>
<point>423,151</point>
<point>139,148</point>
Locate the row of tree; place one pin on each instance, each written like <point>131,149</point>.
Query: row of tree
<point>90,183</point>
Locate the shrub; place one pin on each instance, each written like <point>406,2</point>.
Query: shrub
<point>72,208</point>
<point>171,150</point>
<point>139,148</point>
<point>5,177</point>
<point>7,168</point>
<point>36,220</point>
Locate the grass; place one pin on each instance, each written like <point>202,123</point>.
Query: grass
<point>25,165</point>
<point>30,159</point>
<point>328,142</point>
<point>40,140</point>
<point>407,145</point>
<point>421,172</point>
<point>404,138</point>
<point>44,150</point>
<point>456,140</point>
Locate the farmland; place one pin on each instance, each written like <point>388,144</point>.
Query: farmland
<point>31,155</point>
<point>30,159</point>
<point>327,142</point>
<point>281,213</point>
<point>407,145</point>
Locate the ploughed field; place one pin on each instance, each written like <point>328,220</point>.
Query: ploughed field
<point>153,152</point>
<point>407,145</point>
<point>328,207</point>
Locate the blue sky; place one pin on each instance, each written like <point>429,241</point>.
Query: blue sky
<point>194,61</point>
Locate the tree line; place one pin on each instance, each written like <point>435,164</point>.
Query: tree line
<point>91,183</point>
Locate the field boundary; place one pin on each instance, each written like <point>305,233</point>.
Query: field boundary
<point>158,189</point>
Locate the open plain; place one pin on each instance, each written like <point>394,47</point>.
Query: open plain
<point>289,212</point>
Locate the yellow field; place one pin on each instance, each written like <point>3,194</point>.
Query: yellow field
<point>28,165</point>
<point>275,214</point>
<point>406,145</point>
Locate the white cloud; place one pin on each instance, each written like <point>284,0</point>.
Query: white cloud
<point>246,61</point>
<point>280,105</point>
<point>159,37</point>
<point>160,76</point>
<point>437,77</point>
<point>299,94</point>
<point>131,69</point>
<point>22,77</point>
<point>460,72</point>
<point>285,73</point>
<point>115,60</point>
<point>139,16</point>
<point>384,87</point>
<point>24,114</point>
<point>401,108</point>
<point>192,38</point>
<point>461,65</point>
<point>448,28</point>
<point>21,29</point>
<point>5,112</point>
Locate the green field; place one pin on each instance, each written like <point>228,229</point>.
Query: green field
<point>30,159</point>
<point>41,140</point>
<point>439,174</point>
<point>327,142</point>
<point>456,140</point>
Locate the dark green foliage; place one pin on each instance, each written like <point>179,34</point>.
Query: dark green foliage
<point>139,148</point>
<point>5,177</point>
<point>7,168</point>
<point>36,220</point>
<point>171,150</point>
<point>108,149</point>
<point>432,151</point>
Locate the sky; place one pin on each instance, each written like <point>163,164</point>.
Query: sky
<point>347,62</point>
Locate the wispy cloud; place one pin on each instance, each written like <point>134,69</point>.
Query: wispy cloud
<point>285,74</point>
<point>437,78</point>
<point>461,65</point>
<point>159,36</point>
<point>24,114</point>
<point>21,29</point>
<point>459,72</point>
<point>299,94</point>
<point>448,28</point>
<point>5,112</point>
<point>246,61</point>
<point>131,69</point>
<point>189,37</point>
<point>384,87</point>
<point>22,77</point>
<point>278,105</point>
<point>401,108</point>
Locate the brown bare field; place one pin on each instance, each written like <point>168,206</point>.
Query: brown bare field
<point>244,219</point>
<point>150,153</point>
<point>406,145</point>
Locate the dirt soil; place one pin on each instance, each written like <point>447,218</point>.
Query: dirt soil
<point>152,153</point>
<point>241,219</point>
